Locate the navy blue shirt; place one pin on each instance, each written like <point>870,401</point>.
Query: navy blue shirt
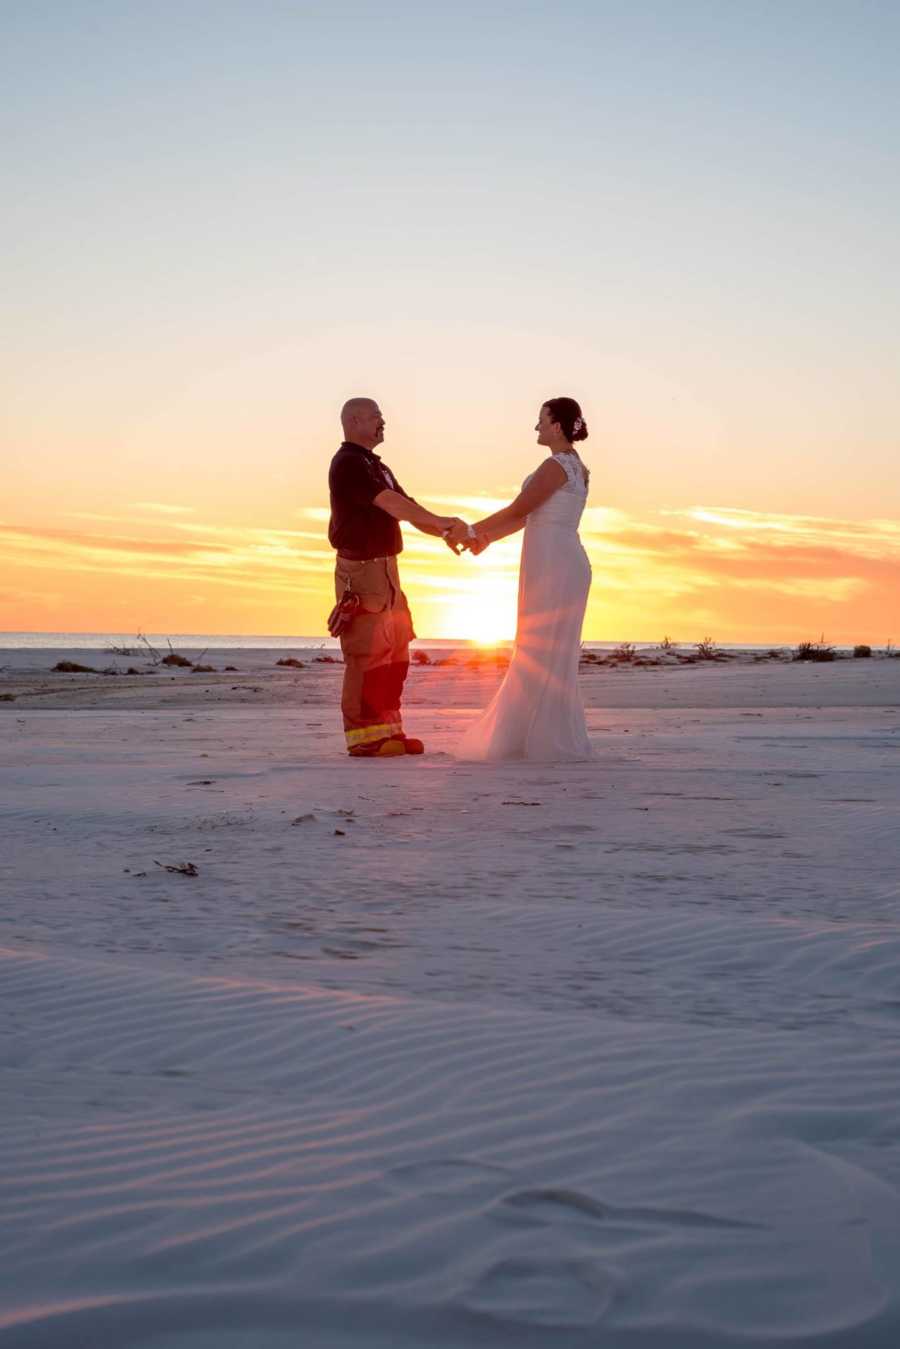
<point>357,527</point>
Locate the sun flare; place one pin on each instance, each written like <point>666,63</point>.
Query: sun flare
<point>485,615</point>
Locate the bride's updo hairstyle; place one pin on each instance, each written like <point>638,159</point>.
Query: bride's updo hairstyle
<point>567,415</point>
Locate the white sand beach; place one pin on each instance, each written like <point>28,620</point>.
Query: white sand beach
<point>441,1054</point>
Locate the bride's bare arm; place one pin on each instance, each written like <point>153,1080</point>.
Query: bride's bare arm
<point>511,518</point>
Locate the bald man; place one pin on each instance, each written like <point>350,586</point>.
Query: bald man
<point>367,504</point>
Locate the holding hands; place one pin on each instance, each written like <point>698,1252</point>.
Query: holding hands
<point>460,537</point>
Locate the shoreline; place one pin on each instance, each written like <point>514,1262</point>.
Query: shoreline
<point>463,682</point>
<point>105,641</point>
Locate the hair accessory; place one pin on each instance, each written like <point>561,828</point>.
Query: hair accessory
<point>577,426</point>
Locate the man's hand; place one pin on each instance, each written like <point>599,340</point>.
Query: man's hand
<point>457,536</point>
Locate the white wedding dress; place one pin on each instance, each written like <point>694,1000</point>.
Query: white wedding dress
<point>537,712</point>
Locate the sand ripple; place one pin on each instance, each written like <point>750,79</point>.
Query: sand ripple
<point>195,1157</point>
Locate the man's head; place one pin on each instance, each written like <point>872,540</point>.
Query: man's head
<point>362,422</point>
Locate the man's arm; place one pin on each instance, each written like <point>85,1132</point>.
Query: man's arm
<point>548,478</point>
<point>402,508</point>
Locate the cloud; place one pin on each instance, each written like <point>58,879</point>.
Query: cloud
<point>778,554</point>
<point>161,508</point>
<point>473,507</point>
<point>256,559</point>
<point>706,566</point>
<point>36,597</point>
<point>93,516</point>
<point>259,533</point>
<point>872,533</point>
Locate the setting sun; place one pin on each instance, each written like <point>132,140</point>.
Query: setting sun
<point>486,615</point>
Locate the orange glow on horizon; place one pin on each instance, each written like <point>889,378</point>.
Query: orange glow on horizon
<point>731,574</point>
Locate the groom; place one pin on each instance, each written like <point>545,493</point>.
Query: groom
<point>367,504</point>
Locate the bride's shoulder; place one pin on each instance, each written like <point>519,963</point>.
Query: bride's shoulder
<point>572,466</point>
<point>546,478</point>
<point>550,469</point>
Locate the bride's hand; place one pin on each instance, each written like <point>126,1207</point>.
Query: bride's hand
<point>454,533</point>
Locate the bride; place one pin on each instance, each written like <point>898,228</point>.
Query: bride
<point>537,712</point>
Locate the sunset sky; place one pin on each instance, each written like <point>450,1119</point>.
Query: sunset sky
<point>226,218</point>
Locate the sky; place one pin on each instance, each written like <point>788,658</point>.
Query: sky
<point>226,218</point>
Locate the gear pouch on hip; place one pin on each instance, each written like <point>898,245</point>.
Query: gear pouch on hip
<point>343,613</point>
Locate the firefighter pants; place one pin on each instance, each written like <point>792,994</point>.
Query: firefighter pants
<point>376,650</point>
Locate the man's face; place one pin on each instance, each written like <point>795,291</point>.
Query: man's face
<point>370,426</point>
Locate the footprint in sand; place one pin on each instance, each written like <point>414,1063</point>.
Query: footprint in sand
<point>348,950</point>
<point>546,1292</point>
<point>570,829</point>
<point>548,1205</point>
<point>754,833</point>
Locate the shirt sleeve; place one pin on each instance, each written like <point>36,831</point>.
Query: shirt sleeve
<point>402,491</point>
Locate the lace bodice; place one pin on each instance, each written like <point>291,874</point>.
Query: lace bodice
<point>565,506</point>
